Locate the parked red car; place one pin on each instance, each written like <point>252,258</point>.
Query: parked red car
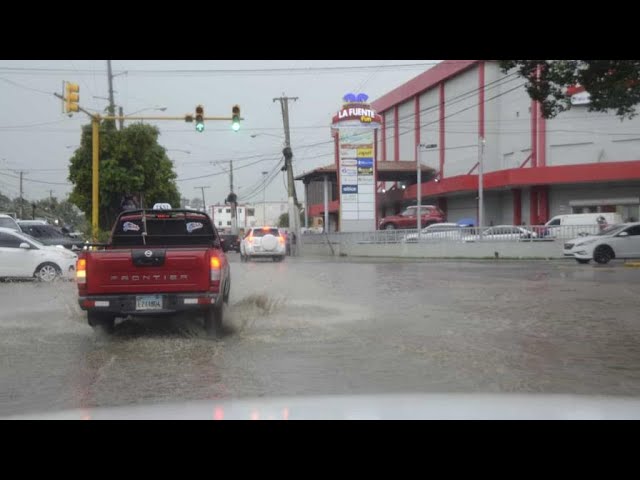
<point>408,218</point>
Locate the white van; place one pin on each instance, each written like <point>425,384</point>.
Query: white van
<point>579,224</point>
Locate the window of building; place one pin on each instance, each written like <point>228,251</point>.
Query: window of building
<point>240,211</point>
<point>228,223</point>
<point>228,210</point>
<point>219,224</point>
<point>219,210</point>
<point>251,212</point>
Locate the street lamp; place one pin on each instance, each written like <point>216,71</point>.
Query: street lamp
<point>177,150</point>
<point>159,109</point>
<point>254,135</point>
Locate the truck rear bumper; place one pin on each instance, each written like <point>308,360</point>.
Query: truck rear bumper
<point>172,303</point>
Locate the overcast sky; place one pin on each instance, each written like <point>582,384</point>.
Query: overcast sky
<point>37,138</point>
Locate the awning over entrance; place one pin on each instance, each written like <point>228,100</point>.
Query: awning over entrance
<point>404,171</point>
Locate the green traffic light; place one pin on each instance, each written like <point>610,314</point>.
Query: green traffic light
<point>235,126</point>
<point>200,127</point>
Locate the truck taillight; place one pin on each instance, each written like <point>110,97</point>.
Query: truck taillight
<point>81,270</point>
<point>281,240</point>
<point>215,269</point>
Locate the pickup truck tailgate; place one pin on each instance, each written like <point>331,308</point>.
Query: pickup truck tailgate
<point>150,270</point>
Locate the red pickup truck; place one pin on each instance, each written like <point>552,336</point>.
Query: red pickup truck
<point>157,262</point>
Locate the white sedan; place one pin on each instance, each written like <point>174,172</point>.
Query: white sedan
<point>266,242</point>
<point>618,241</point>
<point>22,256</point>
<point>503,233</point>
<point>437,231</point>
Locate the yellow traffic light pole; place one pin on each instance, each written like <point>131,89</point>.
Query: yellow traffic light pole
<point>95,131</point>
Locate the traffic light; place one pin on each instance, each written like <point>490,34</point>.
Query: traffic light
<point>71,98</point>
<point>235,118</point>
<point>199,118</point>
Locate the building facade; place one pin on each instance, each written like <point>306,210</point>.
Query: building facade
<point>533,168</point>
<point>469,111</point>
<point>248,215</point>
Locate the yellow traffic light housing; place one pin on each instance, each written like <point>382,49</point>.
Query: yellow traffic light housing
<point>199,118</point>
<point>235,118</point>
<point>71,97</point>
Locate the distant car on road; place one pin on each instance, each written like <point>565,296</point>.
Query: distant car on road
<point>25,257</point>
<point>49,235</point>
<point>263,242</point>
<point>7,221</point>
<point>231,242</point>
<point>408,218</point>
<point>617,241</point>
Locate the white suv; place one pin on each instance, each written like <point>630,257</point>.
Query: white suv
<point>618,241</point>
<point>263,242</point>
<point>23,256</point>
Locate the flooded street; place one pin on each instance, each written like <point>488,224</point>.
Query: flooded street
<point>321,326</point>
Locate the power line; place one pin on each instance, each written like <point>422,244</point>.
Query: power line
<point>36,181</point>
<point>16,84</point>
<point>219,71</point>
<point>222,173</point>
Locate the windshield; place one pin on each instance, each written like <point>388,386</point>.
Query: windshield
<point>8,223</point>
<point>260,232</point>
<point>286,257</point>
<point>33,240</point>
<point>42,231</point>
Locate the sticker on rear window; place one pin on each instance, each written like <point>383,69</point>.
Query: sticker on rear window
<point>191,226</point>
<point>128,226</point>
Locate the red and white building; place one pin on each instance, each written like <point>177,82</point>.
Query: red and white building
<point>533,168</point>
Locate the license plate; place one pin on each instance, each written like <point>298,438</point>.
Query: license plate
<point>149,302</point>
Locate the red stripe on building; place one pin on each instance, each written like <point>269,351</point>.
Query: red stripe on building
<point>481,99</point>
<point>442,131</point>
<point>396,135</point>
<point>384,137</point>
<point>422,82</point>
<point>416,124</point>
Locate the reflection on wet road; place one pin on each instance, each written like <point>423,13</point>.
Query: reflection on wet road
<point>316,326</point>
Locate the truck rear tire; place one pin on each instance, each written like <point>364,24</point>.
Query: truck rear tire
<point>103,322</point>
<point>213,320</point>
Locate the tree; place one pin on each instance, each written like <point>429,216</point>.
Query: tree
<point>283,220</point>
<point>196,203</point>
<point>612,84</point>
<point>132,163</point>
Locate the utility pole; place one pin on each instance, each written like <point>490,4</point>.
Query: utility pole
<point>112,103</point>
<point>264,198</point>
<point>21,199</point>
<point>121,121</point>
<point>204,205</point>
<point>233,199</point>
<point>481,183</point>
<point>288,165</point>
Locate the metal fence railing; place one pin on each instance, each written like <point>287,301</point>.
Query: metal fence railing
<point>433,234</point>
